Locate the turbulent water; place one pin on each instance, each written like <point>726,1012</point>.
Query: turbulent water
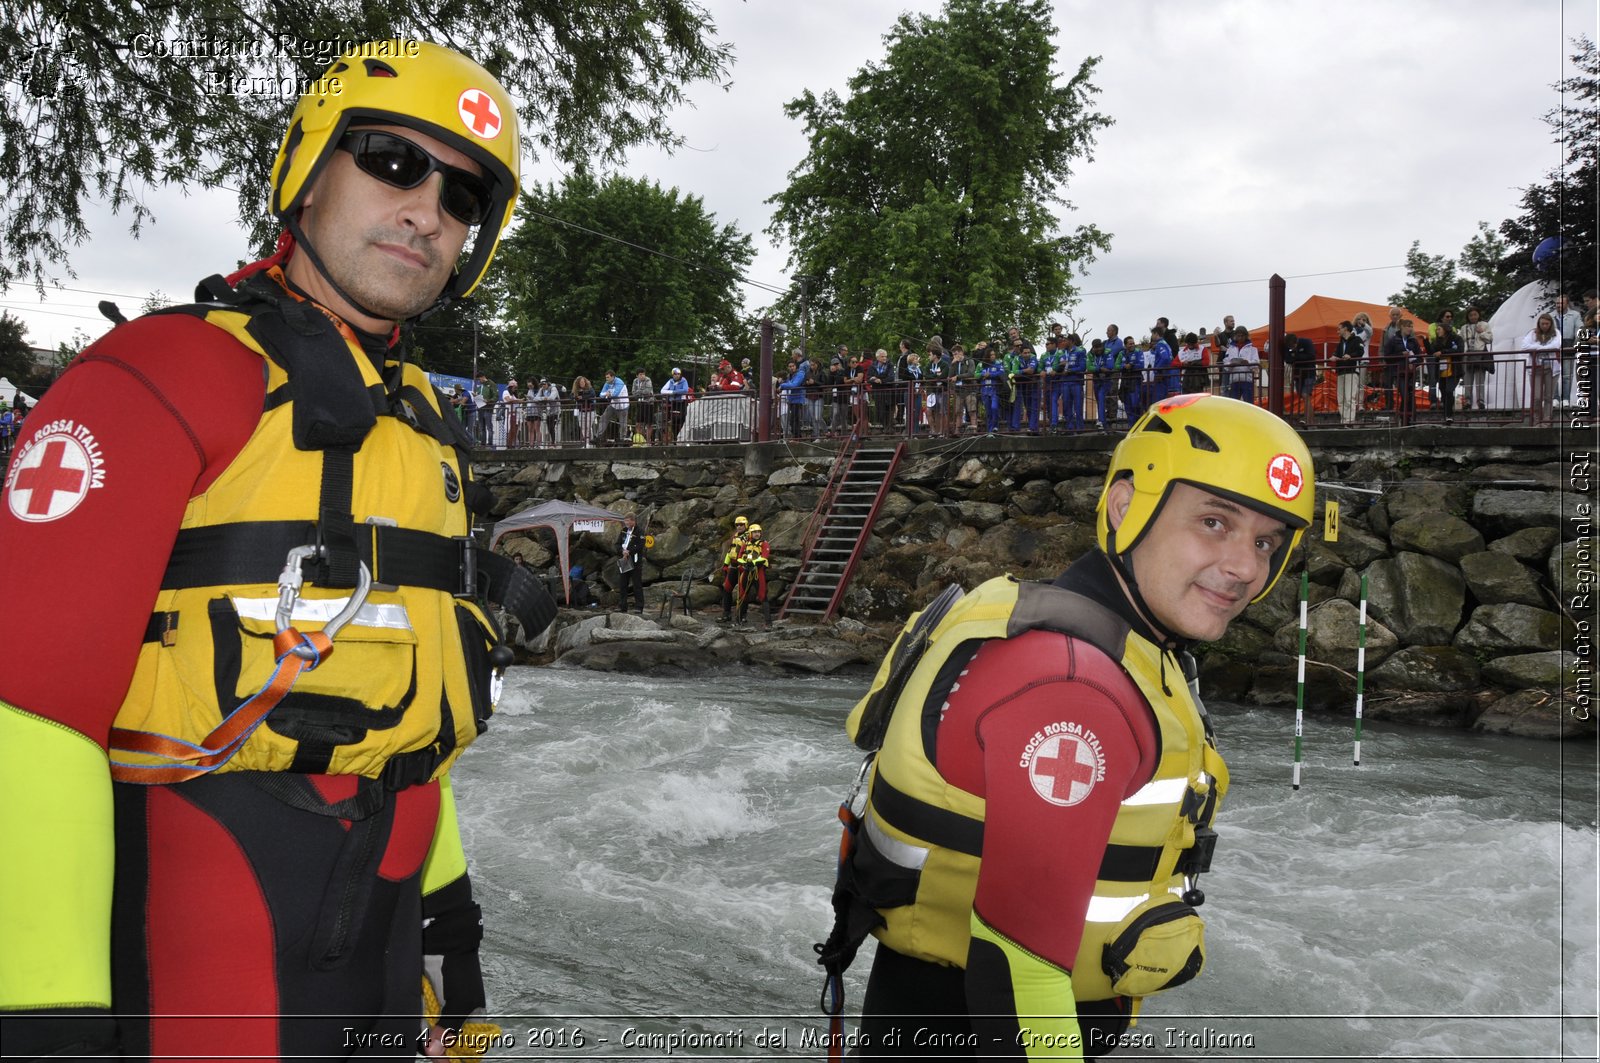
<point>654,856</point>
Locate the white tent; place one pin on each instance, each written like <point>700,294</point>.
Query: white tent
<point>1508,387</point>
<point>9,393</point>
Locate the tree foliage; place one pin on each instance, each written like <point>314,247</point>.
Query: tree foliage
<point>1565,203</point>
<point>923,205</point>
<point>96,105</point>
<point>576,302</point>
<point>16,357</point>
<point>1435,283</point>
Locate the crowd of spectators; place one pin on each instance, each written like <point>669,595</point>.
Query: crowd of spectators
<point>1008,384</point>
<point>11,417</point>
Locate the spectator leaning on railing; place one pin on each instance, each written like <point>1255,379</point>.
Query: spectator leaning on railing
<point>1242,363</point>
<point>1347,359</point>
<point>1543,349</point>
<point>1477,341</point>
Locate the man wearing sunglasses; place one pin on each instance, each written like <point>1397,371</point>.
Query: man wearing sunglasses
<point>238,804</point>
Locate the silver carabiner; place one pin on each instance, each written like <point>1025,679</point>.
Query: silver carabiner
<point>861,778</point>
<point>289,583</point>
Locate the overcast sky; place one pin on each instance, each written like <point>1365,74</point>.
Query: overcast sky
<point>1311,139</point>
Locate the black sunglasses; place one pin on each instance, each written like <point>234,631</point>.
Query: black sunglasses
<point>398,162</point>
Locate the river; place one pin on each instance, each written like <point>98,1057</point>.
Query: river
<point>654,857</point>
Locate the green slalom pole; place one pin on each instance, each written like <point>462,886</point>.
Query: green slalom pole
<point>1361,665</point>
<point>1300,681</point>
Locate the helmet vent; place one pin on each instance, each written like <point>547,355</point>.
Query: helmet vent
<point>1200,441</point>
<point>339,67</point>
<point>377,68</point>
<point>1156,424</point>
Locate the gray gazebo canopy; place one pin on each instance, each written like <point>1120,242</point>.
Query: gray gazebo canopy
<point>559,517</point>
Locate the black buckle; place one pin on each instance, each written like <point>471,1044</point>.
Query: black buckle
<point>409,769</point>
<point>1193,802</point>
<point>469,567</point>
<point>1196,859</point>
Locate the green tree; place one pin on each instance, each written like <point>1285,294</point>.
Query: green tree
<point>1432,284</point>
<point>1565,203</point>
<point>923,205</point>
<point>98,107</point>
<point>16,357</point>
<point>1483,263</point>
<point>575,301</point>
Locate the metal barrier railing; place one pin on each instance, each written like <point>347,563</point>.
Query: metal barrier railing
<point>1508,390</point>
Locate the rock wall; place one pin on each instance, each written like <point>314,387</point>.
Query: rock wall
<point>1479,561</point>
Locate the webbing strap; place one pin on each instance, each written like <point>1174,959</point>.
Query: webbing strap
<point>177,761</point>
<point>336,524</point>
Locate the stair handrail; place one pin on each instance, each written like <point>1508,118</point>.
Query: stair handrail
<point>861,540</point>
<point>843,461</point>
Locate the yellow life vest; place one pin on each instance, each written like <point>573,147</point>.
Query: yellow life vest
<point>918,852</point>
<point>408,684</point>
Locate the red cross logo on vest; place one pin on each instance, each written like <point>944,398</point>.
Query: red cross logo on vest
<point>50,481</point>
<point>479,113</point>
<point>1285,477</point>
<point>1064,768</point>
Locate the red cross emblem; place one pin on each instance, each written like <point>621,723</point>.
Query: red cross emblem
<point>479,113</point>
<point>1285,478</point>
<point>50,480</point>
<point>1063,769</point>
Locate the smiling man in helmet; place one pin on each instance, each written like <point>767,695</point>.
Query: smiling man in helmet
<point>1040,804</point>
<point>236,803</point>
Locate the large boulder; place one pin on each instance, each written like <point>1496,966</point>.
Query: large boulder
<point>1531,714</point>
<point>974,473</point>
<point>1356,548</point>
<point>980,515</point>
<point>1416,498</point>
<point>1429,669</point>
<point>670,546</point>
<point>1499,630</point>
<point>1496,578</point>
<point>1011,543</point>
<point>1441,535</point>
<point>1419,598</point>
<point>1079,495</point>
<point>1036,497</point>
<point>1572,572</point>
<point>928,523</point>
<point>1549,670</point>
<point>1333,630</point>
<point>1501,511</point>
<point>1531,546</point>
<point>1282,603</point>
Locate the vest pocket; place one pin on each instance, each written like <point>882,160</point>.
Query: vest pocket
<point>1161,944</point>
<point>365,684</point>
<point>885,870</point>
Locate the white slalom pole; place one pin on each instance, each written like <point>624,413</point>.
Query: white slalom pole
<point>1300,679</point>
<point>1361,666</point>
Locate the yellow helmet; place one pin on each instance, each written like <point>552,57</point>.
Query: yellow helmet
<point>740,520</point>
<point>755,531</point>
<point>425,87</point>
<point>1230,448</point>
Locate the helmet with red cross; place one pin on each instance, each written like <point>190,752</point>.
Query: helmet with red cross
<point>1230,448</point>
<point>425,87</point>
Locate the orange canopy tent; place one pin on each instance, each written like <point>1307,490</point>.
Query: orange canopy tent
<point>1317,319</point>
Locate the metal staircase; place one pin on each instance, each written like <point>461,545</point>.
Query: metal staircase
<point>838,532</point>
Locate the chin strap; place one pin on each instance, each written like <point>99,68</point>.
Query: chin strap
<point>1168,642</point>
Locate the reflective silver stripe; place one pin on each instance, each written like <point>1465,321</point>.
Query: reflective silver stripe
<point>1159,792</point>
<point>902,854</point>
<point>1116,909</point>
<point>392,615</point>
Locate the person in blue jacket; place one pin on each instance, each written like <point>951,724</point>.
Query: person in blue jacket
<point>1072,361</point>
<point>993,375</point>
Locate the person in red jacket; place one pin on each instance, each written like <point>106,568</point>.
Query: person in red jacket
<point>727,378</point>
<point>225,744</point>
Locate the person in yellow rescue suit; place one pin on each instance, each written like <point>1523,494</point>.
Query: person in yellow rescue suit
<point>1040,803</point>
<point>225,795</point>
<point>753,564</point>
<point>731,558</point>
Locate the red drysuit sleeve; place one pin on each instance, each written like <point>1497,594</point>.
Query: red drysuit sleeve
<point>94,493</point>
